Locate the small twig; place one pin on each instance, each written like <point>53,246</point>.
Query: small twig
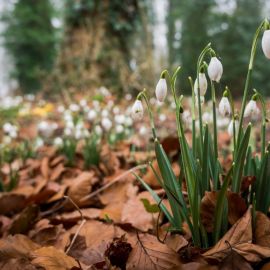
<point>118,178</point>
<point>79,228</point>
<point>159,214</point>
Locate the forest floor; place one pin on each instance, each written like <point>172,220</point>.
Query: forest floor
<point>60,216</point>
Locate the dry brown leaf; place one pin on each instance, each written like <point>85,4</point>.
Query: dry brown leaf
<point>234,261</point>
<point>150,254</point>
<point>52,259</point>
<point>45,168</point>
<point>17,246</point>
<point>109,163</point>
<point>262,230</point>
<point>11,203</point>
<point>150,177</point>
<point>236,208</point>
<point>81,186</point>
<point>134,213</point>
<point>57,172</point>
<point>239,238</point>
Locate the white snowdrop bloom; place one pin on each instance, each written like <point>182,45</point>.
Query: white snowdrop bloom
<point>74,107</point>
<point>105,113</point>
<point>223,122</point>
<point>202,99</point>
<point>186,117</point>
<point>61,109</point>
<point>128,97</point>
<point>39,142</point>
<point>116,110</point>
<point>224,107</point>
<point>143,131</point>
<point>91,116</point>
<point>104,91</point>
<point>83,103</point>
<point>78,134</point>
<point>230,127</point>
<point>58,141</point>
<point>152,101</point>
<point>86,133</point>
<point>161,90</point>
<point>98,130</point>
<point>251,109</point>
<point>207,117</point>
<point>70,124</point>
<point>106,123</point>
<point>68,132</point>
<point>46,129</point>
<point>266,43</point>
<point>13,134</point>
<point>120,119</point>
<point>215,69</point>
<point>68,116</point>
<point>96,104</point>
<point>128,121</point>
<point>137,110</point>
<point>30,97</point>
<point>7,127</point>
<point>202,84</point>
<point>162,117</point>
<point>119,129</point>
<point>79,125</point>
<point>173,106</point>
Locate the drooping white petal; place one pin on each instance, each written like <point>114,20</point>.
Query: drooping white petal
<point>137,110</point>
<point>161,90</point>
<point>266,43</point>
<point>224,107</point>
<point>215,69</point>
<point>202,84</point>
<point>230,127</point>
<point>251,109</point>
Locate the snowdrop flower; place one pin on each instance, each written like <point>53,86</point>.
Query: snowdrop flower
<point>128,97</point>
<point>110,104</point>
<point>120,119</point>
<point>186,117</point>
<point>96,104</point>
<point>39,142</point>
<point>202,99</point>
<point>202,84</point>
<point>128,121</point>
<point>98,130</point>
<point>162,117</point>
<point>266,43</point>
<point>68,132</point>
<point>92,114</point>
<point>83,103</point>
<point>119,129</point>
<point>224,107</point>
<point>152,101</point>
<point>251,109</point>
<point>70,124</point>
<point>223,122</point>
<point>106,123</point>
<point>74,107</point>
<point>104,91</point>
<point>58,142</point>
<point>104,113</point>
<point>13,134</point>
<point>161,90</point>
<point>116,110</point>
<point>230,127</point>
<point>137,110</point>
<point>7,127</point>
<point>143,131</point>
<point>207,117</point>
<point>215,69</point>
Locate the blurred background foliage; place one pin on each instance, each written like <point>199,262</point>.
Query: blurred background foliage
<point>66,46</point>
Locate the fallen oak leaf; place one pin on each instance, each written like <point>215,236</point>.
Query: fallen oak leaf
<point>150,254</point>
<point>11,203</point>
<point>51,258</point>
<point>240,239</point>
<point>262,230</point>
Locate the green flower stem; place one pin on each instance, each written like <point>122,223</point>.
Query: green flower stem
<point>193,116</point>
<point>199,63</point>
<point>151,118</point>
<point>233,116</point>
<point>248,78</point>
<point>262,101</point>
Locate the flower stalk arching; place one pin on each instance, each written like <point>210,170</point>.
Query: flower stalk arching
<point>193,101</point>
<point>262,26</point>
<point>199,65</point>
<point>151,118</point>
<point>258,96</point>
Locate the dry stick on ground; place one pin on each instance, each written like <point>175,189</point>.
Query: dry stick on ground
<point>79,228</point>
<point>118,178</point>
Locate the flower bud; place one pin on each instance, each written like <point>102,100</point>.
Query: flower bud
<point>161,90</point>
<point>137,110</point>
<point>266,43</point>
<point>230,127</point>
<point>215,69</point>
<point>202,84</point>
<point>252,109</point>
<point>224,107</point>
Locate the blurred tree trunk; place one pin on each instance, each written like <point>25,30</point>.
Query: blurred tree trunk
<point>96,46</point>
